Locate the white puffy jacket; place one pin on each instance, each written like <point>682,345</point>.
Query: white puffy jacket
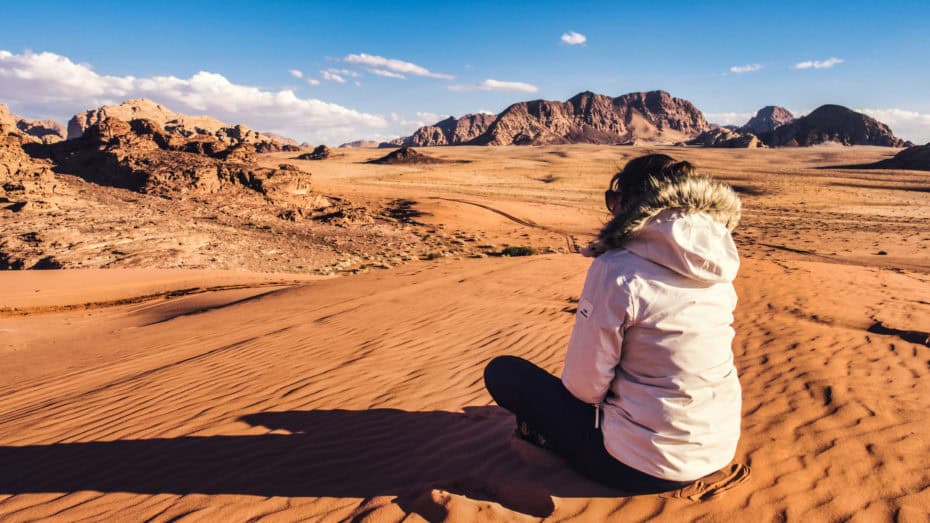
<point>652,343</point>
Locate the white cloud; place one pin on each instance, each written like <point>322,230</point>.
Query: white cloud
<point>909,125</point>
<point>819,64</point>
<point>332,77</point>
<point>573,38</point>
<point>312,81</point>
<point>344,72</point>
<point>728,118</point>
<point>386,73</point>
<point>51,84</point>
<point>391,64</point>
<point>296,73</point>
<point>420,119</point>
<point>496,85</point>
<point>358,84</point>
<point>748,68</point>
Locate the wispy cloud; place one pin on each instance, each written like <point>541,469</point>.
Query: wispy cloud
<point>312,81</point>
<point>344,72</point>
<point>573,38</point>
<point>748,68</point>
<point>47,83</point>
<point>408,124</point>
<point>386,73</point>
<point>394,65</point>
<point>496,85</point>
<point>296,73</point>
<point>728,118</point>
<point>819,64</point>
<point>910,125</point>
<point>332,77</point>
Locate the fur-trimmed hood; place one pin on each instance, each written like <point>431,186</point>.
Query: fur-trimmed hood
<point>683,224</point>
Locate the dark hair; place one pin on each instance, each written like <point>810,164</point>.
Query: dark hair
<point>634,180</point>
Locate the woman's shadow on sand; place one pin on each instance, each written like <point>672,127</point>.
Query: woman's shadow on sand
<point>320,453</point>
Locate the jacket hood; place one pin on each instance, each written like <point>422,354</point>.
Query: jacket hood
<point>683,224</point>
<point>693,245</point>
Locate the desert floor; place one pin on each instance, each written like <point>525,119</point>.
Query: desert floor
<point>215,395</point>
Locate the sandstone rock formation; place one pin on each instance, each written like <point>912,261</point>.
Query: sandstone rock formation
<point>768,119</point>
<point>833,123</point>
<point>23,179</point>
<point>587,117</point>
<point>451,131</point>
<point>723,137</point>
<point>406,155</point>
<point>654,116</point>
<point>181,125</point>
<point>321,152</point>
<point>47,131</point>
<point>143,156</point>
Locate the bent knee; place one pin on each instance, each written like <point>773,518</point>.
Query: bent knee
<point>500,375</point>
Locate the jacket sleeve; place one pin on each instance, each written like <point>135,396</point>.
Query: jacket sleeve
<point>595,345</point>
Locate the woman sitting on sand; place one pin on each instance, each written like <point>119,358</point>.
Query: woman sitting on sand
<point>651,346</point>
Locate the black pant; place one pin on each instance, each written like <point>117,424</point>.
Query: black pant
<point>541,401</point>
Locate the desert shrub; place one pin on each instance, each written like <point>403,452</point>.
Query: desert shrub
<point>518,250</point>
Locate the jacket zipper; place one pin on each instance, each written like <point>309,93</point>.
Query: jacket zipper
<point>597,415</point>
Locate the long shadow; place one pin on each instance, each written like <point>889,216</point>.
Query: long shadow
<point>327,453</point>
<point>881,187</point>
<point>917,337</point>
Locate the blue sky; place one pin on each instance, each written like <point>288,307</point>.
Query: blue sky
<point>57,58</point>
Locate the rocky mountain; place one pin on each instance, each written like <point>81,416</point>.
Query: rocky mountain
<point>47,131</point>
<point>724,137</point>
<point>767,119</point>
<point>180,125</point>
<point>451,131</point>
<point>654,116</point>
<point>587,117</point>
<point>833,123</point>
<point>22,178</point>
<point>143,156</point>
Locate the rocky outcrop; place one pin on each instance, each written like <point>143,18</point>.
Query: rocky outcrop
<point>915,158</point>
<point>406,155</point>
<point>653,116</point>
<point>46,131</point>
<point>143,156</point>
<point>768,119</point>
<point>451,131</point>
<point>23,179</point>
<point>191,127</point>
<point>321,152</point>
<point>833,124</point>
<point>723,137</point>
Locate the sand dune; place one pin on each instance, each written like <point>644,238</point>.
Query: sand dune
<point>360,398</point>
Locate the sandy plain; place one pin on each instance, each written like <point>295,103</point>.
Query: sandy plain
<point>221,395</point>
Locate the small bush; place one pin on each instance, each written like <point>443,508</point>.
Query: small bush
<point>518,250</point>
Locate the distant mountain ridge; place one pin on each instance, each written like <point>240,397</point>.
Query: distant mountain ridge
<point>178,124</point>
<point>654,116</point>
<point>47,131</point>
<point>833,124</point>
<point>767,119</point>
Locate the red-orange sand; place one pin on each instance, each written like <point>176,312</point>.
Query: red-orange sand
<point>254,397</point>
